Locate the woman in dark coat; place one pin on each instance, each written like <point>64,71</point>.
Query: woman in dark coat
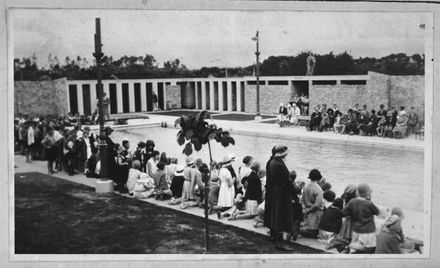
<point>268,196</point>
<point>282,213</point>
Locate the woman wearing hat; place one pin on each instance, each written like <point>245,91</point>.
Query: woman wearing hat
<point>227,191</point>
<point>313,205</point>
<point>281,214</point>
<point>268,194</point>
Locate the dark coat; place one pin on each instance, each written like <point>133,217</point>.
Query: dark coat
<point>253,191</point>
<point>282,213</point>
<point>268,196</point>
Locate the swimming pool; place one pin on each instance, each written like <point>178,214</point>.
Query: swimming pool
<point>395,175</point>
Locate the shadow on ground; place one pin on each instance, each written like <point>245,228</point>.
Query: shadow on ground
<point>54,216</point>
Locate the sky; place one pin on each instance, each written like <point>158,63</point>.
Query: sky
<point>213,38</point>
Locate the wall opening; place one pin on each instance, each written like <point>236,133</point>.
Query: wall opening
<point>215,95</point>
<point>199,95</point>
<point>86,99</point>
<point>160,93</point>
<point>73,99</point>
<point>225,95</point>
<point>208,96</point>
<point>242,96</point>
<point>125,98</point>
<point>234,95</point>
<point>113,99</point>
<point>324,82</point>
<point>353,82</point>
<point>281,83</point>
<point>137,97</point>
<point>300,88</point>
<point>149,91</point>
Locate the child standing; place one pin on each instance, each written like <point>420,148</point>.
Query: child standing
<point>313,205</point>
<point>362,211</point>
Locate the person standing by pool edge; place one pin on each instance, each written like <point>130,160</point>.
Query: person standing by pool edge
<point>281,214</point>
<point>268,195</point>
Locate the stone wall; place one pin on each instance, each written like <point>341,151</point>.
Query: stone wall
<point>345,96</point>
<point>174,98</point>
<point>408,91</point>
<point>380,89</point>
<point>270,98</point>
<point>41,97</point>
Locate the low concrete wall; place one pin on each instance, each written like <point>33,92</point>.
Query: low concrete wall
<point>41,97</point>
<point>408,91</point>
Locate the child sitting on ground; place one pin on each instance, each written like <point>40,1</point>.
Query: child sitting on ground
<point>177,186</point>
<point>337,125</point>
<point>331,221</point>
<point>144,187</point>
<point>390,239</point>
<point>134,174</point>
<point>160,181</point>
<point>362,212</point>
<point>328,198</point>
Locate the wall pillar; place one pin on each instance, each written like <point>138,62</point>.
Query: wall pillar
<point>79,92</point>
<point>119,97</point>
<point>143,97</point>
<point>238,94</point>
<point>93,97</point>
<point>229,97</point>
<point>220,96</point>
<point>131,103</point>
<point>196,89</point>
<point>203,95</point>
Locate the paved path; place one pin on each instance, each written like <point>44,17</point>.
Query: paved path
<point>254,128</point>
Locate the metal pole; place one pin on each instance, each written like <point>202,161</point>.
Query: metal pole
<point>206,200</point>
<point>257,54</point>
<point>102,136</point>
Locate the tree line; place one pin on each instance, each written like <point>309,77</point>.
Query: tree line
<point>135,67</point>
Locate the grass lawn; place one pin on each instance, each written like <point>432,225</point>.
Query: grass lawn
<point>54,216</point>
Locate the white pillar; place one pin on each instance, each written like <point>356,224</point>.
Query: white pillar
<point>131,103</point>
<point>220,95</point>
<point>143,97</point>
<point>93,97</point>
<point>164,95</point>
<point>119,97</point>
<point>203,95</point>
<point>155,89</point>
<point>196,89</point>
<point>229,97</point>
<point>238,87</point>
<point>79,92</point>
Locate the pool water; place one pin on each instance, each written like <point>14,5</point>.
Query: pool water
<point>395,175</point>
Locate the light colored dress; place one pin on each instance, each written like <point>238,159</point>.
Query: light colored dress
<point>133,176</point>
<point>227,191</point>
<point>189,175</point>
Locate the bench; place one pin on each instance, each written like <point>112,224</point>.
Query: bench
<point>419,133</point>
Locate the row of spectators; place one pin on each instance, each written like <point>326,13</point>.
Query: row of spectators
<point>356,121</point>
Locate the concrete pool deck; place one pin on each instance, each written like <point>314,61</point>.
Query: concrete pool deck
<point>261,129</point>
<point>412,225</point>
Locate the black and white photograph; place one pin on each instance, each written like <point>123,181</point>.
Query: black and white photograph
<point>209,132</point>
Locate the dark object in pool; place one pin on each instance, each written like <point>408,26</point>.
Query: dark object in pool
<point>120,122</point>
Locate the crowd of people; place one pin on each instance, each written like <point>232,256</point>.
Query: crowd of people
<point>270,194</point>
<point>356,121</point>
